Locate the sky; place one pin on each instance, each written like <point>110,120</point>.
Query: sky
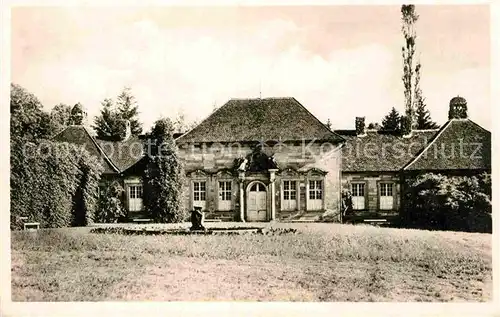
<point>338,61</point>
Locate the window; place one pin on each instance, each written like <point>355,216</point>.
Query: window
<point>315,190</point>
<point>225,190</point>
<point>358,196</point>
<point>315,197</point>
<point>386,189</point>
<point>386,196</point>
<point>135,197</point>
<point>358,189</point>
<point>289,196</point>
<point>135,192</point>
<point>289,190</point>
<point>225,195</point>
<point>258,187</point>
<point>199,191</point>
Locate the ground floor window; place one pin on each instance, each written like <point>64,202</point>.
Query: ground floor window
<point>289,195</point>
<point>225,194</point>
<point>135,191</point>
<point>135,197</point>
<point>315,201</point>
<point>386,196</point>
<point>199,194</point>
<point>315,189</point>
<point>358,196</point>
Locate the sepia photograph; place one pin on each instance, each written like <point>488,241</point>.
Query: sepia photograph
<point>286,153</point>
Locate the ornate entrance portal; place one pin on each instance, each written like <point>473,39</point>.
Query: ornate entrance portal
<point>254,205</point>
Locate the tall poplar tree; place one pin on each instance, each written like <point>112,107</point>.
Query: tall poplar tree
<point>409,18</point>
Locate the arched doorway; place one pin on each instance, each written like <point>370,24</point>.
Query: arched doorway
<point>256,202</point>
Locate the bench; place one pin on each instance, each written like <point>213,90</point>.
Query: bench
<point>31,225</point>
<point>139,220</point>
<point>376,221</point>
<point>301,220</point>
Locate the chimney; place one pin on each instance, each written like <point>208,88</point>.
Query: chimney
<point>406,129</point>
<point>458,108</point>
<point>360,126</point>
<point>124,130</point>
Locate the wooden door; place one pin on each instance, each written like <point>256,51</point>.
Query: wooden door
<point>257,203</point>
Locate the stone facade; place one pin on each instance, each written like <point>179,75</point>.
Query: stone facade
<point>373,205</point>
<point>299,163</point>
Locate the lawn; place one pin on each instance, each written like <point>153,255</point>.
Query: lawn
<point>325,262</point>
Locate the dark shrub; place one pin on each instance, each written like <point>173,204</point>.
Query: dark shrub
<point>109,205</point>
<point>460,203</point>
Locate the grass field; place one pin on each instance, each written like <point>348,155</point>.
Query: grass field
<point>325,262</point>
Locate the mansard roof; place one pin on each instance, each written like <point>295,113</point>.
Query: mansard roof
<point>260,120</point>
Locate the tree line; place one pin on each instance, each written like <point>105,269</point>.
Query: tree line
<point>106,125</point>
<point>50,183</point>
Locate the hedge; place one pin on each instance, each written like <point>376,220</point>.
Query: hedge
<point>53,183</point>
<point>163,176</point>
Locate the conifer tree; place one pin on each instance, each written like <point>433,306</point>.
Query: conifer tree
<point>128,110</point>
<point>422,114</point>
<point>163,177</point>
<point>105,125</point>
<point>108,124</point>
<point>392,121</point>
